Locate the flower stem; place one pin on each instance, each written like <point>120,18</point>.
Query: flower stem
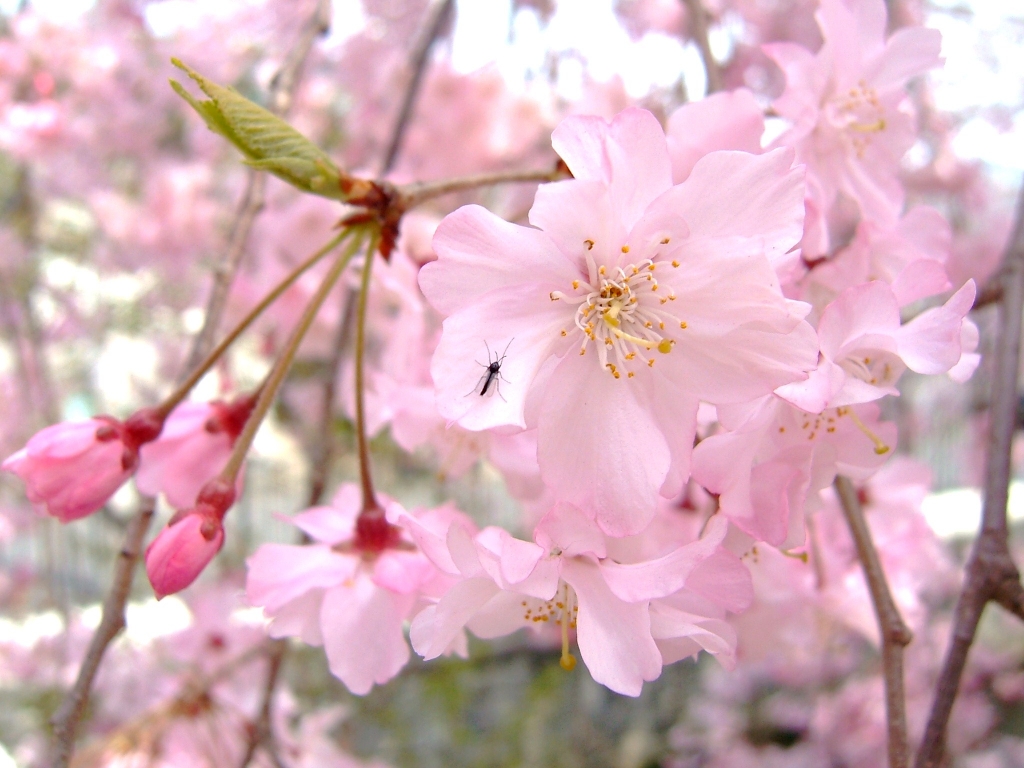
<point>268,391</point>
<point>366,481</point>
<point>185,387</point>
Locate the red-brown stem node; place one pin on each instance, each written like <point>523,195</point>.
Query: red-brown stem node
<point>218,495</point>
<point>373,531</point>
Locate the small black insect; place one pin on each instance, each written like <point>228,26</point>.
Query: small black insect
<point>492,374</point>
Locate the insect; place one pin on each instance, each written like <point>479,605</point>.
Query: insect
<point>492,372</point>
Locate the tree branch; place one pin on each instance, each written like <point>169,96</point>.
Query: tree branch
<point>262,733</point>
<point>990,573</point>
<point>895,635</point>
<point>420,192</point>
<point>698,22</point>
<point>282,92</point>
<point>436,18</point>
<point>65,720</point>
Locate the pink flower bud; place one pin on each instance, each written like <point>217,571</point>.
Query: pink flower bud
<point>72,468</point>
<point>193,447</point>
<point>176,557</point>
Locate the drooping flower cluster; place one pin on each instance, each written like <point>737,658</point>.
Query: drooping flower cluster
<point>668,367</point>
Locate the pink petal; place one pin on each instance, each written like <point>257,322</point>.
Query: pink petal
<point>280,573</point>
<point>910,52</point>
<point>614,637</point>
<point>723,579</point>
<point>479,252</point>
<point>735,194</point>
<point>520,323</point>
<point>575,214</point>
<point>435,627</point>
<point>328,525</point>
<point>726,120</point>
<point>629,154</point>
<point>600,447</point>
<point>930,343</point>
<point>663,576</point>
<point>362,631</point>
<point>570,530</point>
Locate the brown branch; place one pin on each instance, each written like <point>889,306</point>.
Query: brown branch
<point>65,720</point>
<point>420,192</point>
<point>990,573</point>
<point>698,22</point>
<point>436,18</point>
<point>262,732</point>
<point>895,635</point>
<point>282,91</point>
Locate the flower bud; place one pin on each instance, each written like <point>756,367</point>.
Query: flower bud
<point>71,469</point>
<point>176,557</point>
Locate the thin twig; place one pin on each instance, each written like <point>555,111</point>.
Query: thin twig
<point>895,635</point>
<point>698,22</point>
<point>65,720</point>
<point>282,91</point>
<point>422,191</point>
<point>436,18</point>
<point>262,731</point>
<point>990,573</point>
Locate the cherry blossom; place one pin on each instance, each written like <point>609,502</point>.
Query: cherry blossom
<point>629,619</point>
<point>630,301</point>
<point>851,118</point>
<point>352,602</point>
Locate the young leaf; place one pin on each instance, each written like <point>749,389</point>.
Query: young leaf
<point>267,141</point>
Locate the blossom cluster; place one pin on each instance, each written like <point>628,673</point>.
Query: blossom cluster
<point>698,325</point>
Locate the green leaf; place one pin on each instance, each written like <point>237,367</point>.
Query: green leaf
<point>267,141</point>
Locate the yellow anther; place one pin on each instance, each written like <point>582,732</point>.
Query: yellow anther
<point>675,263</point>
<point>629,375</point>
<point>575,284</point>
<point>601,270</point>
<point>880,447</point>
<point>568,661</point>
<point>563,332</point>
<point>665,241</point>
<point>650,363</point>
<point>878,125</point>
<point>625,249</point>
<point>682,324</point>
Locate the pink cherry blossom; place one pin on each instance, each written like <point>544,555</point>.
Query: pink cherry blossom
<point>71,469</point>
<point>909,256</point>
<point>865,348</point>
<point>852,119</point>
<point>352,602</point>
<point>630,301</point>
<point>192,449</point>
<point>766,468</point>
<point>629,619</point>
